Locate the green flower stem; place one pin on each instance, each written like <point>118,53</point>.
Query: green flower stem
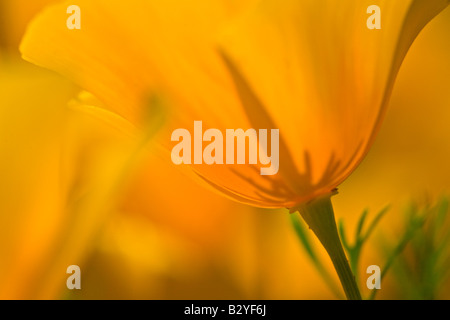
<point>319,216</point>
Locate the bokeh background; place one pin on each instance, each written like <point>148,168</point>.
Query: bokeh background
<point>142,235</point>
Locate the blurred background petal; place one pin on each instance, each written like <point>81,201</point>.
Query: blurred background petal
<point>147,237</point>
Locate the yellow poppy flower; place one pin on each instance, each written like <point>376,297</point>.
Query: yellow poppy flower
<point>313,70</point>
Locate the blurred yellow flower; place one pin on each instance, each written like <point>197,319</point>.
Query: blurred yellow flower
<point>61,172</point>
<point>30,194</point>
<point>253,65</point>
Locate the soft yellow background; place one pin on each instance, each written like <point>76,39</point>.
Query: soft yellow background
<point>152,240</point>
